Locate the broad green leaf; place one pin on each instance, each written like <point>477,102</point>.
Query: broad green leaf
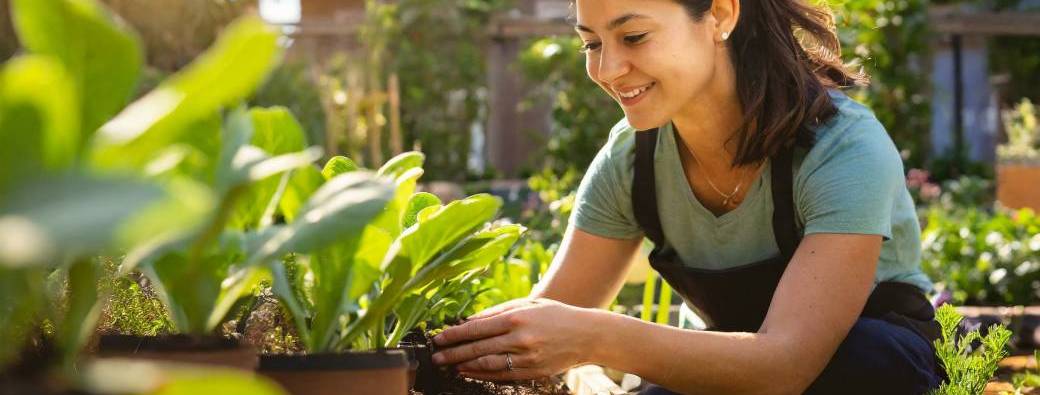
<point>276,132</point>
<point>391,218</point>
<point>68,216</point>
<point>400,164</point>
<point>185,206</point>
<point>225,74</point>
<point>447,226</point>
<point>418,202</point>
<point>36,98</point>
<point>243,164</point>
<point>338,165</point>
<point>103,58</point>
<point>475,253</point>
<point>341,207</point>
<point>302,184</point>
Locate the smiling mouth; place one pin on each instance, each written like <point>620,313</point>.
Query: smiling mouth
<point>635,93</point>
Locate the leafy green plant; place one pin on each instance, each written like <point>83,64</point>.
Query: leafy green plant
<point>983,258</point>
<point>1023,134</point>
<point>967,370</point>
<point>1028,379</point>
<point>405,261</point>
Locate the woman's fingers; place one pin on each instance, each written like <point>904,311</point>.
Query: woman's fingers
<point>473,351</point>
<point>473,330</point>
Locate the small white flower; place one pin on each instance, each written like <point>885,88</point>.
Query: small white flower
<point>1034,243</point>
<point>964,232</point>
<point>1025,268</point>
<point>993,238</point>
<point>997,275</point>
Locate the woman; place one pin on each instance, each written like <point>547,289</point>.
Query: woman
<point>776,204</point>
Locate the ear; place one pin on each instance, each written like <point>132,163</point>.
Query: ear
<point>725,13</point>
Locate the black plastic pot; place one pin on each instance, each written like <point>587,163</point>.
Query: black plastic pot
<point>383,372</point>
<point>209,350</point>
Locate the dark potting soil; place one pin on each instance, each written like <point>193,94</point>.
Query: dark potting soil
<point>435,380</point>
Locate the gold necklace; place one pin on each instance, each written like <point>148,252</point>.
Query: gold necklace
<point>727,198</point>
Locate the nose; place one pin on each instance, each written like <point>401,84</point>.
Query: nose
<point>612,65</point>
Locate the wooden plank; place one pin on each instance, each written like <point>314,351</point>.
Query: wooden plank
<point>590,380</point>
<point>942,20</point>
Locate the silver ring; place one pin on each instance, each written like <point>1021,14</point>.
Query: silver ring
<point>509,362</point>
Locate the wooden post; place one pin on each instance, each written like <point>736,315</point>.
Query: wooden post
<point>394,90</point>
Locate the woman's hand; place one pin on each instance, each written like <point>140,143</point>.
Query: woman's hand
<point>541,337</point>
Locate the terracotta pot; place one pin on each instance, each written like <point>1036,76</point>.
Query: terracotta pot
<point>1018,185</point>
<point>382,372</point>
<point>210,350</point>
<point>412,354</point>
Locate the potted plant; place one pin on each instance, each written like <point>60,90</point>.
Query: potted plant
<point>57,208</point>
<point>400,267</point>
<point>1018,166</point>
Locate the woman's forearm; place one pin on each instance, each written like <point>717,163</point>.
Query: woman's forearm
<point>697,362</point>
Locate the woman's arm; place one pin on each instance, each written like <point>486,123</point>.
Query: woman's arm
<point>817,301</point>
<point>588,270</point>
<point>819,298</point>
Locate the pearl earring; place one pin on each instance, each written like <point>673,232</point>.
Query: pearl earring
<point>725,36</point>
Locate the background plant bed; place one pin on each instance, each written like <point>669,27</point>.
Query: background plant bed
<point>1023,321</point>
<point>208,350</point>
<point>383,372</point>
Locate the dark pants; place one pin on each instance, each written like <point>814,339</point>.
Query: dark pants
<point>877,357</point>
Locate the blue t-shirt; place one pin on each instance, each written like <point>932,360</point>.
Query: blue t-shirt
<point>850,182</point>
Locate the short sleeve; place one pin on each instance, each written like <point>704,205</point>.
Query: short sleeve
<point>603,204</point>
<point>850,181</point>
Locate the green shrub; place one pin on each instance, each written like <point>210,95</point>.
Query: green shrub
<point>983,258</point>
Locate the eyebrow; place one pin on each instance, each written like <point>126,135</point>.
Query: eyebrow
<point>621,20</point>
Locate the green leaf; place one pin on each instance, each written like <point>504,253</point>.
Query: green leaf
<point>225,74</point>
<point>418,202</point>
<point>36,98</point>
<point>78,321</point>
<point>69,216</point>
<point>391,218</point>
<point>103,58</point>
<point>302,184</point>
<point>342,207</point>
<point>400,164</point>
<point>447,226</point>
<point>243,164</point>
<point>338,165</point>
<point>275,131</point>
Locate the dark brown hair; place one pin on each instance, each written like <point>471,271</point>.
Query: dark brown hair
<point>786,54</point>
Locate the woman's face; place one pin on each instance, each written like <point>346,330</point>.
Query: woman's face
<point>652,49</point>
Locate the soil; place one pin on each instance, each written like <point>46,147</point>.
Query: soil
<point>435,380</point>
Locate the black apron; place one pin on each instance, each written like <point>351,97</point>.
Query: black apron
<point>737,299</point>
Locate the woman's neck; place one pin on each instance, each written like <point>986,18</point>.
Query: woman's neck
<point>706,126</point>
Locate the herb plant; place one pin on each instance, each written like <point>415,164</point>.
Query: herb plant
<point>968,370</point>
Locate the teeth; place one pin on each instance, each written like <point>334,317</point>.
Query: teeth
<point>634,93</point>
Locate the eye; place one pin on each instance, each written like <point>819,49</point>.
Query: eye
<point>635,38</point>
<point>589,47</point>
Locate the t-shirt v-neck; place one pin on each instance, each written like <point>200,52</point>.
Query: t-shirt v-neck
<point>667,153</point>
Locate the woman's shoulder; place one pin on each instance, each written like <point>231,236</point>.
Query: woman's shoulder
<point>854,131</point>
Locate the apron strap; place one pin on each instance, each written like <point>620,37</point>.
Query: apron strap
<point>644,196</point>
<point>644,188</point>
